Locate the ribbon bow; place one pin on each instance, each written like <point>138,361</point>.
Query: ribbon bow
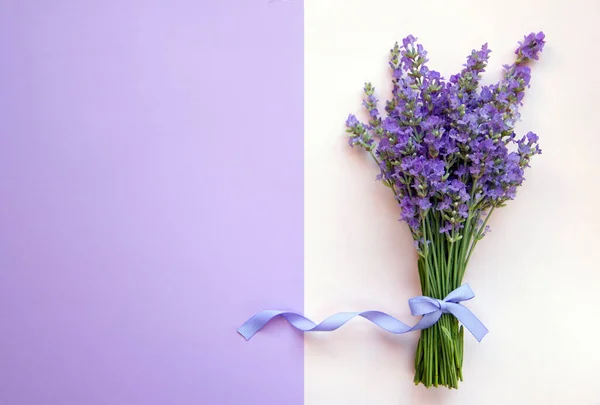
<point>430,308</point>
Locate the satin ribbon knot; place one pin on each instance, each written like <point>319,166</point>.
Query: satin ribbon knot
<point>431,309</point>
<point>443,306</point>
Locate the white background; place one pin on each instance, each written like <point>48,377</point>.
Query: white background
<point>536,275</point>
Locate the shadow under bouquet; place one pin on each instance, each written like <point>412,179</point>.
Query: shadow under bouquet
<point>448,152</point>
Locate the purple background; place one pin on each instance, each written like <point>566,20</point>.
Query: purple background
<point>151,200</point>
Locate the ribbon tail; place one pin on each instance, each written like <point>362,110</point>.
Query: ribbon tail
<point>469,320</point>
<point>258,321</point>
<point>428,320</point>
<point>381,319</point>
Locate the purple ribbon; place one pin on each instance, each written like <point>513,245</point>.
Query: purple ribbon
<point>430,308</point>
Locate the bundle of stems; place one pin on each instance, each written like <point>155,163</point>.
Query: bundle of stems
<point>442,265</point>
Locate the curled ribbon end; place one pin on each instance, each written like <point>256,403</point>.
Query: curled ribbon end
<point>245,336</point>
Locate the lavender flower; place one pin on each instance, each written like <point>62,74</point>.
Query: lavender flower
<point>449,147</point>
<point>531,46</point>
<point>449,152</point>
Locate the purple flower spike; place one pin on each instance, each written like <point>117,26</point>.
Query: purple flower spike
<point>352,121</point>
<point>531,46</point>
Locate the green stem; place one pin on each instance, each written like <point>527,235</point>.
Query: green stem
<point>478,235</point>
<point>465,241</point>
<point>434,246</point>
<point>449,262</point>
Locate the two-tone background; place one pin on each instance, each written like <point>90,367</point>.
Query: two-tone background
<point>167,168</point>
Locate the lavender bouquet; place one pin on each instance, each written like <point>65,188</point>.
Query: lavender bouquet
<point>448,152</point>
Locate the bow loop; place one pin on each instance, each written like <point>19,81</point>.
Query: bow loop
<point>462,293</point>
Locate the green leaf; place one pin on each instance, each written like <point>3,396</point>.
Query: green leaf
<point>446,333</point>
